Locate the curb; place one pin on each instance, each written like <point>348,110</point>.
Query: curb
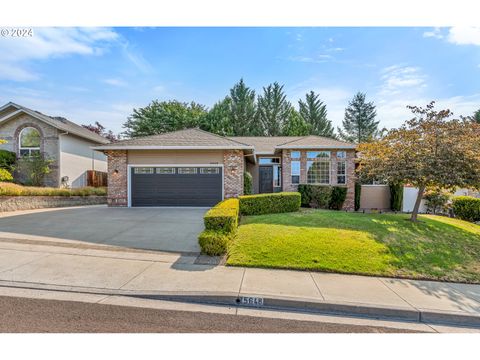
<point>268,302</point>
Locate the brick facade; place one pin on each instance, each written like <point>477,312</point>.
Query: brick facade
<point>287,178</point>
<point>233,165</point>
<point>117,178</point>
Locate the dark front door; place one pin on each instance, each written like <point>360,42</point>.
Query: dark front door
<point>266,179</point>
<point>176,186</point>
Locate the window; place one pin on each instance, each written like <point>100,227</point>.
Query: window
<point>318,172</point>
<point>166,170</point>
<point>187,170</point>
<point>277,176</point>
<point>209,170</point>
<point>268,161</point>
<point>295,155</point>
<point>143,170</point>
<point>318,154</point>
<point>295,168</point>
<point>29,142</point>
<point>341,154</point>
<point>341,172</point>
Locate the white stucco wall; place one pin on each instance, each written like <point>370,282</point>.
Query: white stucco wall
<point>409,198</point>
<point>76,157</point>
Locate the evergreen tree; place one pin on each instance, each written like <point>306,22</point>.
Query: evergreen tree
<point>273,110</point>
<point>314,112</point>
<point>296,126</point>
<point>243,110</point>
<point>359,124</point>
<point>219,119</point>
<point>476,116</point>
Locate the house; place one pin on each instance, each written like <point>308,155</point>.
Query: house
<point>67,144</point>
<point>196,168</point>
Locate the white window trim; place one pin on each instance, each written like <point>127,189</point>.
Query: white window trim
<point>30,149</point>
<point>129,176</point>
<point>319,151</point>
<point>299,171</point>
<point>329,172</point>
<point>344,161</point>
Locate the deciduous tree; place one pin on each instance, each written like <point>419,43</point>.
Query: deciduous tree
<point>102,131</point>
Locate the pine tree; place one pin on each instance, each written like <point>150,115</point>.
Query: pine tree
<point>359,124</point>
<point>243,110</point>
<point>476,116</point>
<point>314,112</point>
<point>273,110</point>
<point>296,126</point>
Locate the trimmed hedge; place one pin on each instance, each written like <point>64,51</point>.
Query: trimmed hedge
<point>338,196</point>
<point>9,189</point>
<point>323,196</point>
<point>7,159</point>
<point>214,243</point>
<point>466,208</point>
<point>5,175</point>
<point>223,216</point>
<point>270,203</point>
<point>247,183</point>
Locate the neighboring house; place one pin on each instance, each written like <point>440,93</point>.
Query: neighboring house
<point>69,145</point>
<point>196,168</point>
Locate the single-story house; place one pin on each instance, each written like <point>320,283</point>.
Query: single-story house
<point>67,144</point>
<point>196,168</point>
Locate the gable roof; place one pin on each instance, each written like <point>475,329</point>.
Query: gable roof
<point>181,139</point>
<point>57,122</point>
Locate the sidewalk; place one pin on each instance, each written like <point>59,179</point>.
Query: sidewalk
<point>38,263</point>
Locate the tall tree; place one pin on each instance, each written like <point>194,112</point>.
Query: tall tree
<point>427,151</point>
<point>163,116</point>
<point>102,131</point>
<point>314,112</point>
<point>218,120</point>
<point>295,125</point>
<point>476,116</point>
<point>242,110</point>
<point>273,110</point>
<point>359,124</point>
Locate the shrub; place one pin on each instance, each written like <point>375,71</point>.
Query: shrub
<point>466,208</point>
<point>316,196</point>
<point>269,203</point>
<point>338,196</point>
<point>214,243</point>
<point>32,169</point>
<point>5,175</point>
<point>436,200</point>
<point>396,196</point>
<point>7,160</point>
<point>247,183</point>
<point>9,189</point>
<point>223,217</point>
<point>358,193</point>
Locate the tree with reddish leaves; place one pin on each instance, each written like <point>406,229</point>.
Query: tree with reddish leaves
<point>102,131</point>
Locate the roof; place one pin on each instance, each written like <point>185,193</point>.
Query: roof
<point>56,121</point>
<point>269,144</point>
<point>181,139</point>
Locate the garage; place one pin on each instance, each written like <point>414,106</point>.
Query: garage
<point>167,185</point>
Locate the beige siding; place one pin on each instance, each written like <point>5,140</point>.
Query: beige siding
<point>375,197</point>
<point>154,157</point>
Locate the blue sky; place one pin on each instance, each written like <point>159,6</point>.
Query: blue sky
<point>101,74</point>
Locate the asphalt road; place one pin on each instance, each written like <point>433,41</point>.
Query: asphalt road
<point>39,315</point>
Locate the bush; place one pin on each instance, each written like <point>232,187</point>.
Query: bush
<point>269,203</point>
<point>467,208</point>
<point>316,196</point>
<point>247,183</point>
<point>214,243</point>
<point>9,189</point>
<point>5,175</point>
<point>338,196</point>
<point>7,160</point>
<point>396,197</point>
<point>32,169</point>
<point>358,193</point>
<point>223,217</point>
<point>436,200</point>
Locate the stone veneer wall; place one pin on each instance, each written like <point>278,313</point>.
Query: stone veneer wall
<point>287,178</point>
<point>233,165</point>
<point>117,178</point>
<point>14,203</point>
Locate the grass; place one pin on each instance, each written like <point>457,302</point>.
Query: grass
<point>436,248</point>
<point>10,189</point>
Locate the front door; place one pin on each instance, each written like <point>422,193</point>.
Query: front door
<point>266,179</point>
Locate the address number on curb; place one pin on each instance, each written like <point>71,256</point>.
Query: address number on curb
<point>251,301</point>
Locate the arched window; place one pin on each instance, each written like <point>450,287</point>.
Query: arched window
<point>29,141</point>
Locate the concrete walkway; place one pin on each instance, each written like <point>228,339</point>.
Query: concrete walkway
<point>71,266</point>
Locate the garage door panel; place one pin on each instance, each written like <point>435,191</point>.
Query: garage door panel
<point>157,189</point>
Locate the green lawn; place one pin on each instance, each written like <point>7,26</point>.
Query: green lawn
<point>375,244</point>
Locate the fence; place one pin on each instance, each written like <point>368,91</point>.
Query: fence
<point>375,197</point>
<point>96,178</point>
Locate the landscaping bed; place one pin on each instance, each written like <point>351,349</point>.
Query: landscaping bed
<point>436,248</point>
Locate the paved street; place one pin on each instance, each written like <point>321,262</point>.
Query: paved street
<point>38,315</point>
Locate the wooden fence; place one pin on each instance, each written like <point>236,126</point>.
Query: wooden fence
<point>96,178</point>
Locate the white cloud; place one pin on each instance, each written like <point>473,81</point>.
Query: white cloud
<point>320,58</point>
<point>159,89</point>
<point>464,35</point>
<point>435,33</point>
<point>115,82</point>
<point>398,77</point>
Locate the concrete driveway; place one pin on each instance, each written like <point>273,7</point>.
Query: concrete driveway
<point>162,229</point>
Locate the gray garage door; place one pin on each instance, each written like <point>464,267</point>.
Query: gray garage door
<point>176,186</point>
